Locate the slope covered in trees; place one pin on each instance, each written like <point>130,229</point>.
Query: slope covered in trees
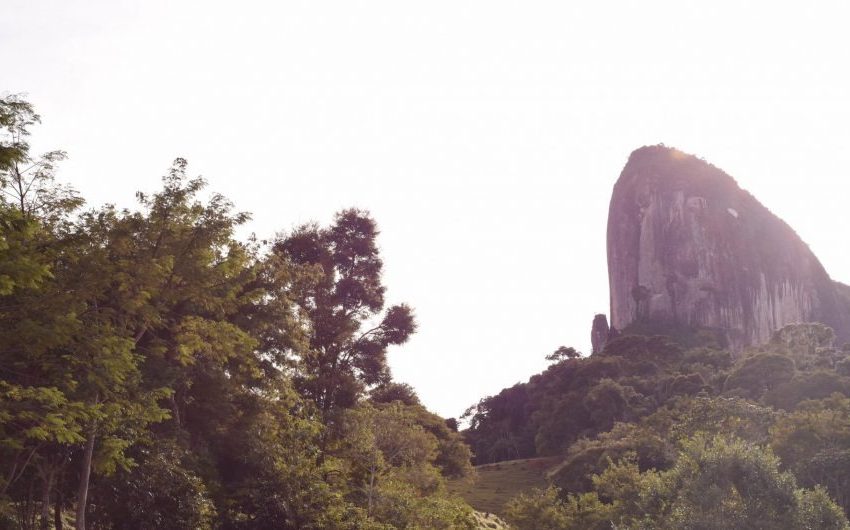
<point>653,434</point>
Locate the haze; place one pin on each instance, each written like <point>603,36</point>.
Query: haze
<point>485,137</point>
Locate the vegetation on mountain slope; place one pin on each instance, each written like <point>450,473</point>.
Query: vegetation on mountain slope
<point>646,408</point>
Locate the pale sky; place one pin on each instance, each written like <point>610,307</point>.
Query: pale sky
<point>484,136</point>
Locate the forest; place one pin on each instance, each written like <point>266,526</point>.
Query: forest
<point>155,372</point>
<point>158,372</point>
<point>672,431</point>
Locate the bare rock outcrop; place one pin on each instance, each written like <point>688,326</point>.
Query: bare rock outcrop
<point>599,333</point>
<point>686,245</point>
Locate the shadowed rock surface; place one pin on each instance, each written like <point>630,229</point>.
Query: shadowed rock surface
<point>686,245</point>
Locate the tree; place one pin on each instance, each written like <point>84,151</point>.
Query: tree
<point>159,492</point>
<point>270,470</point>
<point>812,442</point>
<point>343,302</point>
<point>805,339</point>
<point>137,307</point>
<point>27,182</point>
<point>654,441</point>
<point>389,392</point>
<point>397,466</point>
<point>759,373</point>
<point>643,444</point>
<point>72,374</point>
<point>544,510</point>
<point>609,402</point>
<point>563,353</point>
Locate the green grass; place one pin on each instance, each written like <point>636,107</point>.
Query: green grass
<point>494,484</point>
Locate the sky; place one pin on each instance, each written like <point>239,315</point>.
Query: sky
<point>484,136</point>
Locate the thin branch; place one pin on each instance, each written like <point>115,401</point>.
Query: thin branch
<point>24,467</point>
<point>366,333</point>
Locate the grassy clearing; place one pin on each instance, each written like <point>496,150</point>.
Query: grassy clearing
<point>495,484</point>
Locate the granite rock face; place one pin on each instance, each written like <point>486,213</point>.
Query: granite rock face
<point>688,246</point>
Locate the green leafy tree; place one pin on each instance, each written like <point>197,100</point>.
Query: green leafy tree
<point>72,375</point>
<point>27,182</point>
<point>654,441</point>
<point>544,510</point>
<point>813,443</point>
<point>160,491</point>
<point>343,301</point>
<point>805,339</point>
<point>608,402</point>
<point>648,448</point>
<point>394,467</point>
<point>757,374</point>
<point>729,484</point>
<point>271,474</point>
<point>563,353</point>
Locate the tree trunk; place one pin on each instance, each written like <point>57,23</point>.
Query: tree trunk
<point>83,491</point>
<point>178,422</point>
<point>30,509</point>
<point>57,508</point>
<point>46,486</point>
<point>371,489</point>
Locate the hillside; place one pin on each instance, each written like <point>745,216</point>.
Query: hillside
<point>495,484</point>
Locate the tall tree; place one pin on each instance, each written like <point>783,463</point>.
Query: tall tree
<point>342,303</point>
<point>28,181</point>
<point>38,318</point>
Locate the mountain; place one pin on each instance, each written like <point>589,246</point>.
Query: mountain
<point>687,246</point>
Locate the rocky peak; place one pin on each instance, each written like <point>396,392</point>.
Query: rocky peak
<point>687,245</point>
<point>599,333</point>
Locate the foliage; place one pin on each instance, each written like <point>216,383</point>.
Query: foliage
<point>758,374</point>
<point>27,182</point>
<point>394,467</point>
<point>158,372</point>
<point>341,298</point>
<point>716,482</point>
<point>654,441</point>
<point>581,397</point>
<point>642,396</point>
<point>636,375</point>
<point>813,442</point>
<point>541,509</point>
<point>563,353</point>
<point>160,491</point>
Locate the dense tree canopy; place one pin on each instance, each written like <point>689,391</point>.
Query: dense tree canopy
<point>157,372</point>
<point>716,483</point>
<point>635,410</point>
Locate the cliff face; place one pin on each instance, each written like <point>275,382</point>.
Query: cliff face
<point>687,245</point>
